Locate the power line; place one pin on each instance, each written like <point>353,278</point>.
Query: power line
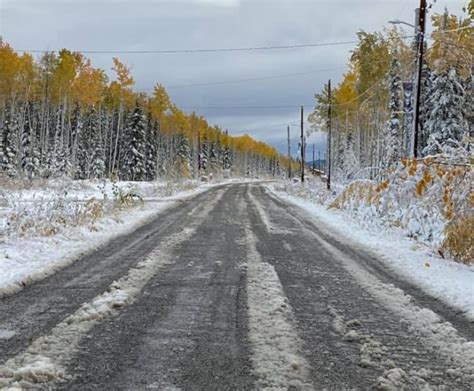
<point>176,51</point>
<point>208,50</point>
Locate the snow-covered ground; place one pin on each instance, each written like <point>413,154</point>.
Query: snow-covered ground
<point>48,226</point>
<point>449,281</point>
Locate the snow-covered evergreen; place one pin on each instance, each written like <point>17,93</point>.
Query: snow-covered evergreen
<point>8,152</point>
<point>447,114</point>
<point>133,165</point>
<point>393,145</point>
<point>29,162</point>
<point>98,155</point>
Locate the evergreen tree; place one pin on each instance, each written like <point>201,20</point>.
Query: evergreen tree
<point>53,155</point>
<point>151,148</point>
<point>133,167</point>
<point>447,117</point>
<point>351,164</point>
<point>213,158</point>
<point>183,156</point>
<point>393,139</point>
<point>27,156</point>
<point>98,153</point>
<point>427,77</point>
<point>227,159</point>
<point>9,140</point>
<point>204,156</point>
<point>85,150</point>
<point>407,117</point>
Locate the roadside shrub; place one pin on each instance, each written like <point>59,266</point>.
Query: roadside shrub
<point>459,240</point>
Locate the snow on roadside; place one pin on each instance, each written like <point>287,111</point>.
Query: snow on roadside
<point>24,259</point>
<point>451,282</point>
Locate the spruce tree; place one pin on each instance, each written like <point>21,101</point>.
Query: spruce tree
<point>8,152</point>
<point>446,121</point>
<point>183,156</point>
<point>150,150</point>
<point>213,158</point>
<point>98,154</point>
<point>85,148</point>
<point>227,159</point>
<point>133,167</point>
<point>27,158</point>
<point>204,155</point>
<point>393,136</point>
<point>351,164</point>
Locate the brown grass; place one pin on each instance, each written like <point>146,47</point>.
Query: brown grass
<point>361,190</point>
<point>459,240</point>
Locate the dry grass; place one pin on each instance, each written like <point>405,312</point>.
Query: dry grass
<point>364,191</point>
<point>459,240</point>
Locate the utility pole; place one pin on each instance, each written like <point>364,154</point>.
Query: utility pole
<point>302,147</point>
<point>289,152</point>
<point>314,162</point>
<point>328,157</point>
<point>419,64</point>
<point>199,153</point>
<point>319,161</point>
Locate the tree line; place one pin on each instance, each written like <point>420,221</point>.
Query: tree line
<point>372,107</point>
<point>60,116</point>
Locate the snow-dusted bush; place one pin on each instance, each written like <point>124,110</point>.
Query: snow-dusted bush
<point>312,189</point>
<point>430,199</point>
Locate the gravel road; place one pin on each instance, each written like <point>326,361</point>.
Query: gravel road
<point>232,289</point>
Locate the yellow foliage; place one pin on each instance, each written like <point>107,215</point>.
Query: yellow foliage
<point>382,186</point>
<point>89,85</point>
<point>412,167</point>
<point>423,184</point>
<point>364,191</point>
<point>453,44</point>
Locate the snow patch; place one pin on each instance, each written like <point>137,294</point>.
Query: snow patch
<point>6,334</point>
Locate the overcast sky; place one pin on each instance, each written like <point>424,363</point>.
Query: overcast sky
<point>205,80</point>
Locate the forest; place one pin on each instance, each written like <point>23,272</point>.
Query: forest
<point>60,116</point>
<point>372,107</point>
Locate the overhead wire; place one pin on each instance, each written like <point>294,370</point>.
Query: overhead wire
<point>206,50</point>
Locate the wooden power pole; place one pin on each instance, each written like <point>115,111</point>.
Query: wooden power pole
<point>419,63</point>
<point>302,146</point>
<point>289,151</point>
<point>328,157</point>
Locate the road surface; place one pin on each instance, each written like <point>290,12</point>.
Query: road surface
<point>231,289</point>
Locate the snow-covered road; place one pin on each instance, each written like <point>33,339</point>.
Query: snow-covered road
<point>232,289</point>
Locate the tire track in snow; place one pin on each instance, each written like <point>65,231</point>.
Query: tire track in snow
<point>432,330</point>
<point>278,359</point>
<point>44,360</point>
